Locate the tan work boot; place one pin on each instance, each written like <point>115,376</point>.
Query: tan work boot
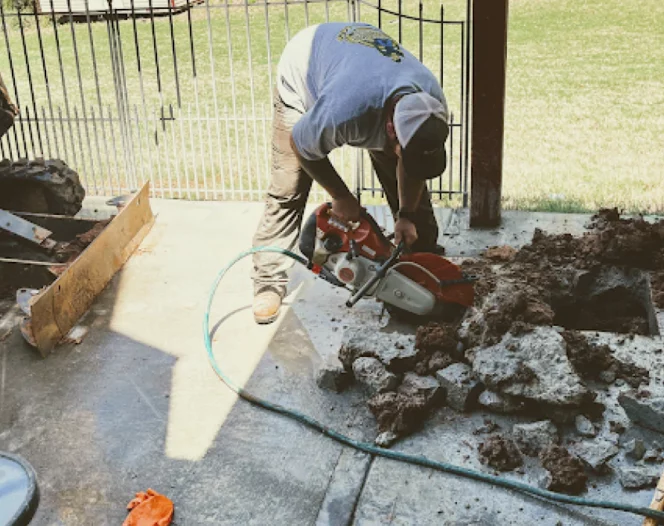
<point>267,303</point>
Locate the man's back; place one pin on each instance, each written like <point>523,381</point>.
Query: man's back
<point>343,74</point>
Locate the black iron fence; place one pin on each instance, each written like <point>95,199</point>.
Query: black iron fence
<point>180,93</point>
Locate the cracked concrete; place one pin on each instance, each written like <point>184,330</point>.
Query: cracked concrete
<point>136,405</point>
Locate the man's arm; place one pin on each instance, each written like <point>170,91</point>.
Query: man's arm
<point>344,204</point>
<point>410,192</point>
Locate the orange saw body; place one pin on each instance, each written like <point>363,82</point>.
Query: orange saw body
<point>360,258</point>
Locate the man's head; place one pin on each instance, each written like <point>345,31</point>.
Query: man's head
<point>419,126</point>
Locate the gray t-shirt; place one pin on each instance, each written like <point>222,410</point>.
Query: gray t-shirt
<point>340,77</point>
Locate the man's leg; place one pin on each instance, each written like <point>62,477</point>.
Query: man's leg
<point>385,166</point>
<point>282,217</point>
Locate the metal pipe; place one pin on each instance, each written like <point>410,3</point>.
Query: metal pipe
<point>64,89</point>
<point>214,93</point>
<point>193,149</point>
<point>231,175</point>
<point>173,51</point>
<point>32,89</point>
<point>85,120</point>
<point>13,75</point>
<point>177,152</point>
<point>46,82</point>
<point>115,155</point>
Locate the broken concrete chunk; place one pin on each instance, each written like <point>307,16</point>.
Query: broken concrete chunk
<point>533,438</point>
<point>461,388</point>
<point>584,426</point>
<point>332,375</point>
<point>498,403</point>
<point>426,386</point>
<point>500,453</point>
<point>373,375</point>
<point>566,473</point>
<point>396,351</point>
<point>595,454</point>
<point>646,411</point>
<point>638,477</point>
<point>635,449</point>
<point>533,365</point>
<point>386,439</point>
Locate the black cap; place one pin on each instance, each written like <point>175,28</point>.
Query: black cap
<point>425,157</point>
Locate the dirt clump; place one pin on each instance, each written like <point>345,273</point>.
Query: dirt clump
<point>485,274</point>
<point>590,361</point>
<point>434,337</point>
<point>515,308</point>
<point>398,412</point>
<point>566,471</point>
<point>68,252</point>
<point>501,253</point>
<point>632,242</point>
<point>438,343</point>
<point>500,453</point>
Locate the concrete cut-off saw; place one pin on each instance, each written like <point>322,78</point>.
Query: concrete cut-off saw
<point>360,258</point>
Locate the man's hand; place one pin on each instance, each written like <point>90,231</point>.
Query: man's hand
<point>346,208</point>
<point>404,230</point>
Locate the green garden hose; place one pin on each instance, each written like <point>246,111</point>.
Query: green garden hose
<point>387,453</point>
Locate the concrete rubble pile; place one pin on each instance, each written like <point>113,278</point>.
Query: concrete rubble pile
<point>537,351</point>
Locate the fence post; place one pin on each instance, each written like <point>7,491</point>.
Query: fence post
<point>489,38</point>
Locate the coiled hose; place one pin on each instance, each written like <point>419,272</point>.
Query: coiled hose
<point>387,453</point>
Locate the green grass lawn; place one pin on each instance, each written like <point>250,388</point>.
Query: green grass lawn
<point>585,98</point>
<point>585,105</point>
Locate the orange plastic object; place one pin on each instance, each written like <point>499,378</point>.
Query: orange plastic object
<point>149,509</point>
<point>443,269</point>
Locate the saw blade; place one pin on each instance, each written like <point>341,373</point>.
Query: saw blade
<point>458,290</point>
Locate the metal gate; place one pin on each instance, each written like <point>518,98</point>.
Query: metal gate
<point>180,93</point>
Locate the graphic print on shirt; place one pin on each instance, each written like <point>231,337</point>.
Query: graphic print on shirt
<point>372,37</point>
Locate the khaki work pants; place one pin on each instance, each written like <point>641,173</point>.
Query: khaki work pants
<point>287,197</point>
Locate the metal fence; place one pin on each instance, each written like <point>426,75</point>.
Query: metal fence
<point>180,93</point>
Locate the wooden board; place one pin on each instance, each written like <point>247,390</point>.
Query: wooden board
<point>657,502</point>
<point>57,309</point>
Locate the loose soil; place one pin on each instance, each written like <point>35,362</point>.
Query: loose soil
<point>567,472</point>
<point>500,453</point>
<point>438,343</point>
<point>398,412</point>
<point>16,276</point>
<point>590,361</point>
<point>579,283</point>
<point>68,252</point>
<point>546,271</point>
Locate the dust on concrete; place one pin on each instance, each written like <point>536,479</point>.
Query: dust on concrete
<point>567,473</point>
<point>591,360</point>
<point>500,453</point>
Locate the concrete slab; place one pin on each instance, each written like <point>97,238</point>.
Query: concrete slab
<point>136,405</point>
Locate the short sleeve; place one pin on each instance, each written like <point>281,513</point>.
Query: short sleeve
<point>316,134</point>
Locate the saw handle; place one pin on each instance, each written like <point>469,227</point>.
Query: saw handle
<point>380,274</point>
